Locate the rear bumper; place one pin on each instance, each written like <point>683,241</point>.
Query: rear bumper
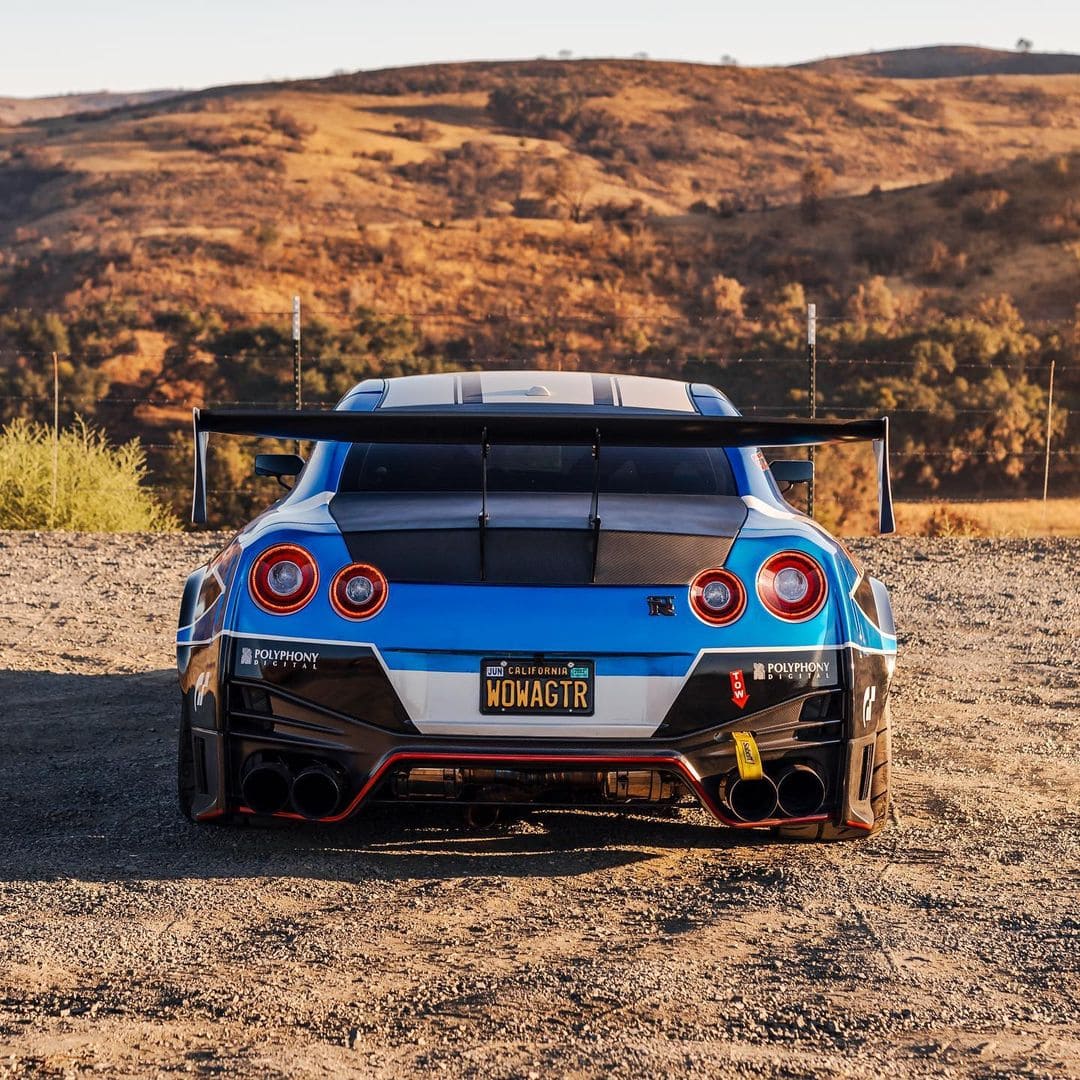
<point>372,762</point>
<point>346,721</point>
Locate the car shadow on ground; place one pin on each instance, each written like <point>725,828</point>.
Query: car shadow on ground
<point>89,766</point>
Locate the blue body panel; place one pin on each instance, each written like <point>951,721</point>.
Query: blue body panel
<point>449,627</point>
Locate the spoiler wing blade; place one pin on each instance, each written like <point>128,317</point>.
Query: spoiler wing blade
<point>535,425</point>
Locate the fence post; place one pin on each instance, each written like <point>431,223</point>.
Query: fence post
<point>56,438</point>
<point>297,389</point>
<point>298,393</point>
<point>1049,420</point>
<point>811,360</point>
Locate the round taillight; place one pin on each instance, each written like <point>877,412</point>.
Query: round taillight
<point>717,597</point>
<point>359,591</point>
<point>792,585</point>
<point>283,579</point>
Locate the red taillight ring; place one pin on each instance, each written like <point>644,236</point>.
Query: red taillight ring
<point>349,609</point>
<point>712,615</point>
<point>817,586</point>
<point>258,580</point>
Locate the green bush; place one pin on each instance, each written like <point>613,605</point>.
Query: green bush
<point>98,486</point>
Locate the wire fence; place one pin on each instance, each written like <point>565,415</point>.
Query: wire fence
<point>841,390</point>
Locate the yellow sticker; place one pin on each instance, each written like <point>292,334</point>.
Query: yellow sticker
<point>747,756</point>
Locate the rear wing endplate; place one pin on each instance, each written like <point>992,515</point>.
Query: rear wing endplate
<point>539,425</point>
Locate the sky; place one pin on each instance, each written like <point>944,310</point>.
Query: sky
<point>66,46</point>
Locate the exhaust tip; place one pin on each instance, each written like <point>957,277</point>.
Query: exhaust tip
<point>800,791</point>
<point>752,800</point>
<point>265,785</point>
<point>316,792</point>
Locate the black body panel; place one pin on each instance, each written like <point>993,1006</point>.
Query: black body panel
<point>348,682</point>
<point>712,693</point>
<point>538,539</point>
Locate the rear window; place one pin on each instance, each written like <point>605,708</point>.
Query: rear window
<point>633,470</point>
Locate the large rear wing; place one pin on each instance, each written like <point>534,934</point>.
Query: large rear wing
<point>539,425</point>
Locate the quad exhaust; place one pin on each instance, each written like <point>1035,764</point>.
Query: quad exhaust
<point>752,800</point>
<point>316,791</point>
<point>265,784</point>
<point>269,785</point>
<point>800,791</point>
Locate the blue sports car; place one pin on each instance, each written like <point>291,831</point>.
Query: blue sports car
<point>523,589</point>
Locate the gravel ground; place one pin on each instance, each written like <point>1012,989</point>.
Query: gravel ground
<point>569,944</point>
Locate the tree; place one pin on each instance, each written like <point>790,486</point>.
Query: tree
<point>726,294</point>
<point>569,184</point>
<point>1024,45</point>
<point>814,185</point>
<point>872,305</point>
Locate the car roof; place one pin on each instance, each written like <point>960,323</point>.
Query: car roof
<point>577,388</point>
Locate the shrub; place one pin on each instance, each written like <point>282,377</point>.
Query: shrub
<point>539,110</point>
<point>983,205</point>
<point>931,258</point>
<point>923,107</point>
<point>814,185</point>
<point>945,522</point>
<point>416,130</point>
<point>266,234</point>
<point>99,487</point>
<point>289,126</point>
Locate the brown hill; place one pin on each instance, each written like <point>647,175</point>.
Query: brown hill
<point>946,62</point>
<point>415,186</point>
<point>23,110</point>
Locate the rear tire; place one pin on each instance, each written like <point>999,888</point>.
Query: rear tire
<point>880,797</point>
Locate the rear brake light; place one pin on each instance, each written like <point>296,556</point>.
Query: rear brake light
<point>359,591</point>
<point>717,597</point>
<point>283,579</point>
<point>792,586</point>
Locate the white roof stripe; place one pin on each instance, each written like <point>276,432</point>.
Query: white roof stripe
<point>513,388</point>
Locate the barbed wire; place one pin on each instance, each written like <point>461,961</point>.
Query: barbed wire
<point>359,312</point>
<point>780,410</point>
<point>529,362</point>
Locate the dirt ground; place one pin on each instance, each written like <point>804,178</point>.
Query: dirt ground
<point>570,944</point>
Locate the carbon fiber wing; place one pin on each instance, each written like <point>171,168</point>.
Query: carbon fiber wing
<point>532,424</point>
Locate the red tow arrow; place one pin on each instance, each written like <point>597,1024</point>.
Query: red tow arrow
<point>738,689</point>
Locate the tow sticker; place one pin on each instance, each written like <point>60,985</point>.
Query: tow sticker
<point>738,689</point>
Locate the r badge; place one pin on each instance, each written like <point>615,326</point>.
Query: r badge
<point>661,605</point>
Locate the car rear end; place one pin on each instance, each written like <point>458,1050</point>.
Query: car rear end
<point>496,622</point>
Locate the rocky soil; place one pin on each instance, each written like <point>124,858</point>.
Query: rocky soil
<point>569,944</point>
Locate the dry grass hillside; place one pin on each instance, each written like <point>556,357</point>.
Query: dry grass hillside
<point>454,184</point>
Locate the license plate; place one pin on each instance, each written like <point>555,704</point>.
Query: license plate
<point>551,687</point>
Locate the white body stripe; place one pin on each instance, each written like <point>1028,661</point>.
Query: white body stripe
<point>539,388</point>
<point>448,703</point>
